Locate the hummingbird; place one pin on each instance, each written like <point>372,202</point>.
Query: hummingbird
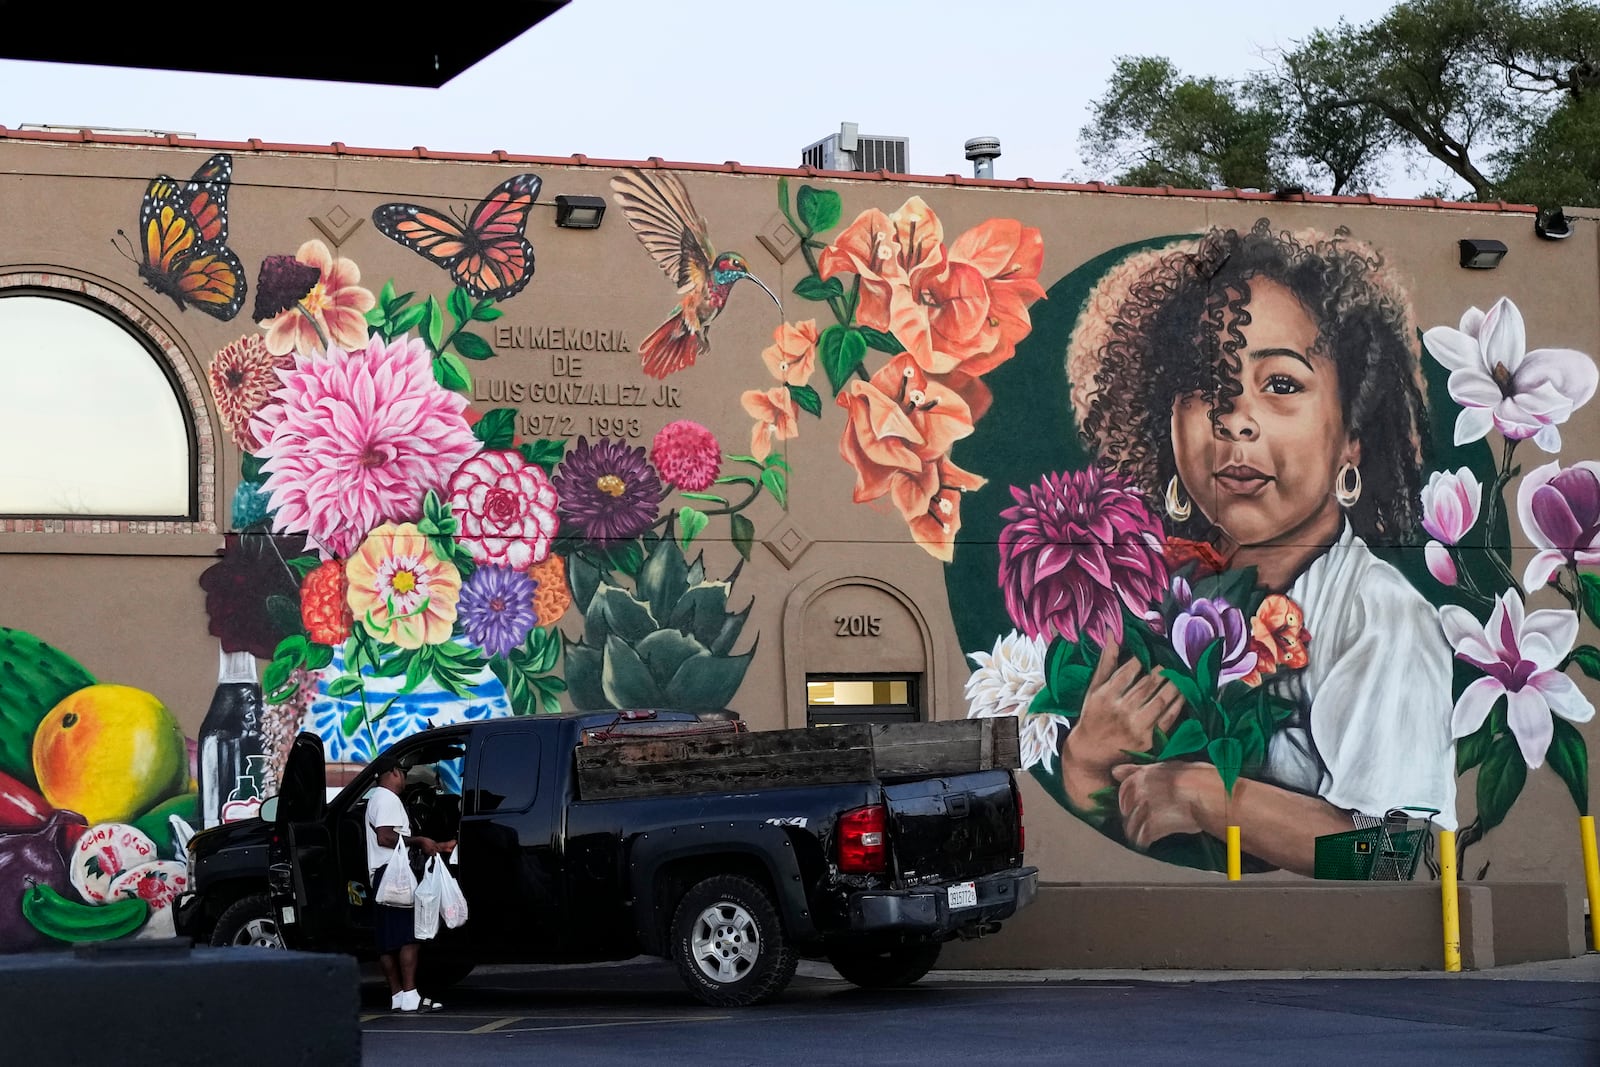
<point>663,217</point>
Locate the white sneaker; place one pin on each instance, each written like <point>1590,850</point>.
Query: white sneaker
<point>409,1000</point>
<point>394,1002</point>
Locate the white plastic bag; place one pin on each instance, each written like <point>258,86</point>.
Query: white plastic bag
<point>398,887</point>
<point>428,895</point>
<point>452,902</point>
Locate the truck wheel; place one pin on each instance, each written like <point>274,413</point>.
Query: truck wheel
<point>248,921</point>
<point>729,945</point>
<point>885,966</point>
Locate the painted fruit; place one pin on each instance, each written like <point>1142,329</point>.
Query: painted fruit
<point>102,853</point>
<point>109,752</point>
<point>155,822</point>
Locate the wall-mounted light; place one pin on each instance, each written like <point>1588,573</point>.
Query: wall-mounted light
<point>1552,224</point>
<point>1481,253</point>
<point>580,212</point>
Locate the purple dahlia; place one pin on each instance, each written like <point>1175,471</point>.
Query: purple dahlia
<point>1076,547</point>
<point>496,609</point>
<point>608,490</point>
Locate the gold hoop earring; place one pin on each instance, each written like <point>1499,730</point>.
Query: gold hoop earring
<point>1178,509</point>
<point>1347,485</point>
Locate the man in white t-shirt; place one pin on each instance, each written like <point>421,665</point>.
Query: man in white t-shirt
<point>394,928</point>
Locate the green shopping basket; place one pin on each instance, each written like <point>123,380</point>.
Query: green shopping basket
<point>1382,850</point>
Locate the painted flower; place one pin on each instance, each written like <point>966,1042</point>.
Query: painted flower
<point>243,376</point>
<point>242,588</point>
<point>496,609</point>
<point>898,425</point>
<point>506,508</point>
<point>357,439</point>
<point>325,604</point>
<point>1180,552</point>
<point>687,455</point>
<point>777,418</point>
<point>1008,256</point>
<point>1450,503</point>
<point>335,304</point>
<point>1206,621</point>
<point>889,253</point>
<point>400,590</point>
<point>250,505</point>
<point>608,490</point>
<point>282,282</point>
<point>1004,683</point>
<point>1520,656</point>
<point>1560,510</point>
<point>1077,547</point>
<point>1500,384</point>
<point>936,526</point>
<point>1278,637</point>
<point>792,357</point>
<point>551,597</point>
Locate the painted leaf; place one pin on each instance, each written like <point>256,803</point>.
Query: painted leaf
<point>459,304</point>
<point>806,399</point>
<point>880,341</point>
<point>1207,667</point>
<point>1227,755</point>
<point>664,578</point>
<point>819,209</point>
<point>472,346</point>
<point>812,287</point>
<point>707,682</point>
<point>450,372</point>
<point>1500,780</point>
<point>1472,749</point>
<point>583,578</point>
<point>732,625</point>
<point>1587,657</point>
<point>545,452</point>
<point>841,352</point>
<point>485,311</point>
<point>701,611</point>
<point>744,534</point>
<point>1569,759</point>
<point>626,680</point>
<point>615,612</point>
<point>407,319</point>
<point>1133,640</point>
<point>497,428</point>
<point>344,685</point>
<point>772,478</point>
<point>1189,737</point>
<point>1589,596</point>
<point>583,677</point>
<point>435,324</point>
<point>664,651</point>
<point>691,521</point>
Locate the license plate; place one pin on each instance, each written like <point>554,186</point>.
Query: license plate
<point>288,916</point>
<point>963,895</point>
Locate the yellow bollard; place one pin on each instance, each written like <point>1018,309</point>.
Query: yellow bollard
<point>1452,906</point>
<point>1234,864</point>
<point>1591,875</point>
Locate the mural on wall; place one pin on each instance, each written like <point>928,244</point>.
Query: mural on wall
<point>183,241</point>
<point>1214,602</point>
<point>97,801</point>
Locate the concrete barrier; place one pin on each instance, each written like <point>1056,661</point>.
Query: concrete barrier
<point>161,1002</point>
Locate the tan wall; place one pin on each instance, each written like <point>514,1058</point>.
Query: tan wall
<point>131,612</point>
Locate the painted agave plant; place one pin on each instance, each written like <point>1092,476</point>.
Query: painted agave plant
<point>666,642</point>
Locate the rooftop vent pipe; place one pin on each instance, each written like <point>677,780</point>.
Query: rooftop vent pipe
<point>983,151</point>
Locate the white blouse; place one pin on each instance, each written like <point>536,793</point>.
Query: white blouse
<point>1375,698</point>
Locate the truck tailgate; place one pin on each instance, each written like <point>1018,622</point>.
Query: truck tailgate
<point>952,828</point>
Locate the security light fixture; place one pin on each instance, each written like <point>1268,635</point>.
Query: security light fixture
<point>1481,253</point>
<point>580,212</point>
<point>1552,224</point>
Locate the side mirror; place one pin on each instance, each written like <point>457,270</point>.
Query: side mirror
<point>269,809</point>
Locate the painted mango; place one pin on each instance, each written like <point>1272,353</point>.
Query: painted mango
<point>110,752</point>
<point>37,677</point>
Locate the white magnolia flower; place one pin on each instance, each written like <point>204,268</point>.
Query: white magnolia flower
<point>1005,683</point>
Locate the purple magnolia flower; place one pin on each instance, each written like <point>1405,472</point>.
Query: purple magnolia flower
<point>1500,384</point>
<point>1520,656</point>
<point>1560,510</point>
<point>496,609</point>
<point>1208,619</point>
<point>608,490</point>
<point>1450,503</point>
<point>1076,547</point>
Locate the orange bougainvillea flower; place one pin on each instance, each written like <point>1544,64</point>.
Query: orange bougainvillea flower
<point>777,419</point>
<point>1008,256</point>
<point>891,254</point>
<point>336,303</point>
<point>936,528</point>
<point>1278,637</point>
<point>900,426</point>
<point>792,357</point>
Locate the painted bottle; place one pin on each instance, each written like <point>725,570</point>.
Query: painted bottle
<point>230,736</point>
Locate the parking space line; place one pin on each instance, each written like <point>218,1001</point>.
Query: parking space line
<point>502,1026</point>
<point>495,1024</point>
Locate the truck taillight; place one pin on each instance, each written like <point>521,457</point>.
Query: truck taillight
<point>863,840</point>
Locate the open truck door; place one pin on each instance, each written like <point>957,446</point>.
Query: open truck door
<point>304,872</point>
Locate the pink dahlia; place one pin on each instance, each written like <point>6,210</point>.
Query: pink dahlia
<point>507,510</point>
<point>687,455</point>
<point>243,376</point>
<point>356,439</point>
<point>1076,548</point>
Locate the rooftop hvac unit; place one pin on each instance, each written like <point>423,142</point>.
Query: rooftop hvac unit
<point>871,153</point>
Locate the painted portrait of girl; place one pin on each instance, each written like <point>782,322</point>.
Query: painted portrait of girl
<point>1252,402</point>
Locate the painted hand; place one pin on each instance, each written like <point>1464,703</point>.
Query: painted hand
<point>1161,799</point>
<point>1121,710</point>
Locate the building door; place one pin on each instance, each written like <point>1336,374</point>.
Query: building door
<point>864,656</point>
<point>845,699</point>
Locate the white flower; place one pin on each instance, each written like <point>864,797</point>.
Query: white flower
<point>1005,683</point>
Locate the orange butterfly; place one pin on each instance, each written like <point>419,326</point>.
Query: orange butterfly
<point>488,255</point>
<point>183,235</point>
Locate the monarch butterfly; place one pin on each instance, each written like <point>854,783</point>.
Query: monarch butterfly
<point>183,234</point>
<point>487,254</point>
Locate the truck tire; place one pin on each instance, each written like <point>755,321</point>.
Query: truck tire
<point>248,921</point>
<point>885,966</point>
<point>729,944</point>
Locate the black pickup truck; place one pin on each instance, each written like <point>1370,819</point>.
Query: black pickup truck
<point>734,884</point>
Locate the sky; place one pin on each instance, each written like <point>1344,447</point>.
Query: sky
<point>747,80</point>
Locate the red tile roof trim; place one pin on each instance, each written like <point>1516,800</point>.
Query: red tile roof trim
<point>500,155</point>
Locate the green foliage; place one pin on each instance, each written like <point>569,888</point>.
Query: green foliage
<point>841,351</point>
<point>1569,759</point>
<point>497,428</point>
<point>526,673</point>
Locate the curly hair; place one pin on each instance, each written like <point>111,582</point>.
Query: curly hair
<point>1176,331</point>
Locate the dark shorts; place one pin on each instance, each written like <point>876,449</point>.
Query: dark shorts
<point>393,928</point>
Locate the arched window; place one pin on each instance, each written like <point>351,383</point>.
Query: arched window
<point>91,422</point>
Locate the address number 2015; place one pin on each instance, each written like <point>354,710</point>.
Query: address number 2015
<point>858,625</point>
